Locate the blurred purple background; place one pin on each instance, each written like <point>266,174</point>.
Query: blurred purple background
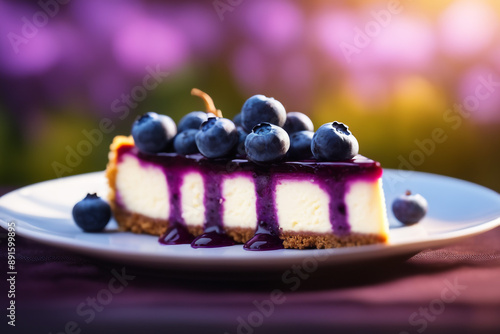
<point>396,73</point>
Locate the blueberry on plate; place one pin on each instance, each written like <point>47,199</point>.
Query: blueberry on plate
<point>185,142</point>
<point>153,133</point>
<point>334,142</point>
<point>192,120</point>
<point>242,136</point>
<point>92,213</point>
<point>267,143</point>
<point>217,137</point>
<point>259,109</point>
<point>409,209</point>
<point>300,145</point>
<point>297,121</point>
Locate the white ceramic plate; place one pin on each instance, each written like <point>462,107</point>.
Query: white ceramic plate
<point>42,211</point>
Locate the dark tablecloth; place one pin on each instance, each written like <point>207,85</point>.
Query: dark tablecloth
<point>455,289</point>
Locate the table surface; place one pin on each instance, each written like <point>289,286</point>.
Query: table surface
<point>455,289</point>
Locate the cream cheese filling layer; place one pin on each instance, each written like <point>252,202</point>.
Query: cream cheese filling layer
<point>239,202</point>
<point>142,188</point>
<point>192,195</point>
<point>366,212</point>
<point>302,205</point>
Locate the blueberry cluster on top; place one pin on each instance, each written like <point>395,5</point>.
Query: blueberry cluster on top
<point>263,132</point>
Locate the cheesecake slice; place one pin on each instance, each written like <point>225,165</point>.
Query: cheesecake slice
<point>301,204</point>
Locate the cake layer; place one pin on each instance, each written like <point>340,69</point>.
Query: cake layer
<point>308,203</point>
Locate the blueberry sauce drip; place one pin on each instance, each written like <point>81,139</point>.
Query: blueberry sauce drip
<point>176,234</point>
<point>338,211</point>
<point>267,235</point>
<point>213,200</point>
<point>265,238</point>
<point>266,211</point>
<point>333,177</point>
<point>213,236</point>
<point>174,182</point>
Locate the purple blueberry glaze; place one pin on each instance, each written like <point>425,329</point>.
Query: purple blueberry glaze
<point>213,200</point>
<point>174,181</point>
<point>331,176</point>
<point>267,235</point>
<point>176,234</point>
<point>266,210</point>
<point>265,238</point>
<point>335,188</point>
<point>212,237</point>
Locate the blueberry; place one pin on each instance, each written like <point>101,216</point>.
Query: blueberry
<point>242,136</point>
<point>409,209</point>
<point>153,133</point>
<point>297,121</point>
<point>259,109</point>
<point>267,143</point>
<point>217,137</point>
<point>92,214</point>
<point>192,120</point>
<point>185,142</point>
<point>237,119</point>
<point>300,145</point>
<point>334,142</point>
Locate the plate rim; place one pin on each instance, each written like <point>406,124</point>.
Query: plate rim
<point>334,256</point>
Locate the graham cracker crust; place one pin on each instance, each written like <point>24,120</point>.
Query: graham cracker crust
<point>139,224</point>
<point>303,240</point>
<point>240,235</point>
